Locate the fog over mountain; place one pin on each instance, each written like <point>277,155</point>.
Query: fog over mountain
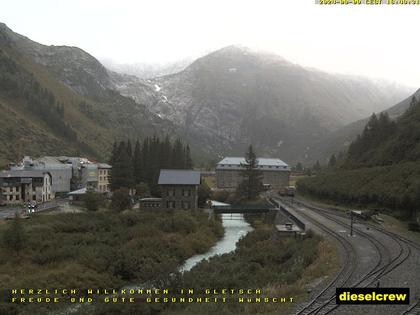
<point>220,103</point>
<point>235,96</point>
<point>148,70</point>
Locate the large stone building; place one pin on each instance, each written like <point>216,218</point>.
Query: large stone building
<point>61,172</point>
<point>275,172</point>
<point>179,189</point>
<point>26,186</point>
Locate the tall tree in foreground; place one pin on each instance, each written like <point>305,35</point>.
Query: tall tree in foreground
<point>251,185</point>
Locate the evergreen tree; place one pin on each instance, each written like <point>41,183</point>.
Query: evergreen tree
<point>251,185</point>
<point>114,153</point>
<point>137,163</point>
<point>188,160</point>
<point>316,167</point>
<point>130,168</point>
<point>178,156</point>
<point>122,174</point>
<point>333,161</point>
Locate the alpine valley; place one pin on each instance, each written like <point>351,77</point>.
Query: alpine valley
<point>61,100</point>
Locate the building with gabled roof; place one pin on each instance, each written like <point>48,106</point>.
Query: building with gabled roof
<point>179,189</point>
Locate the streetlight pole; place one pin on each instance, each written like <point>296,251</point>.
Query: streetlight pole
<point>351,223</point>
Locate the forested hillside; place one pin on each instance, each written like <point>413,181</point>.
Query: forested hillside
<point>381,168</point>
<point>58,100</point>
<point>34,120</point>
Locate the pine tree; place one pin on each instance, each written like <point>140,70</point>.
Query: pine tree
<point>122,174</point>
<point>137,163</point>
<point>316,167</point>
<point>188,159</point>
<point>114,153</point>
<point>333,161</point>
<point>178,157</point>
<point>251,185</point>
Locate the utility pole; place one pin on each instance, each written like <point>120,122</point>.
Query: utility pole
<point>351,223</point>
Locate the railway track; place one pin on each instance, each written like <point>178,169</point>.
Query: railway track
<point>323,302</point>
<point>342,278</point>
<point>414,308</point>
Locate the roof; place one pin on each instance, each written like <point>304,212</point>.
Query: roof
<point>179,177</point>
<point>150,199</point>
<point>81,191</point>
<point>104,165</point>
<point>215,203</point>
<point>264,163</point>
<point>22,173</point>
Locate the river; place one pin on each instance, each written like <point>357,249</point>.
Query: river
<point>235,227</point>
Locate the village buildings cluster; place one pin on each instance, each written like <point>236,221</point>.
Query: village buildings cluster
<point>40,180</point>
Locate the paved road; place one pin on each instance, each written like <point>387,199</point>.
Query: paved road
<point>9,212</point>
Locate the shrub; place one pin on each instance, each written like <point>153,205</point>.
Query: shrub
<point>121,200</point>
<point>93,200</point>
<point>14,238</point>
<point>414,226</point>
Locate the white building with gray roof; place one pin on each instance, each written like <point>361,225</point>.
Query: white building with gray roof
<point>275,172</point>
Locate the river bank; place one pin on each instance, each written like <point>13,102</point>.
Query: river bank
<point>101,249</point>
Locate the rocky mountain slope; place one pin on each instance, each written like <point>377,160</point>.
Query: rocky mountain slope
<point>236,96</point>
<point>59,100</point>
<point>219,104</point>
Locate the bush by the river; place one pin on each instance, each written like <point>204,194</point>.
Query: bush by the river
<point>103,249</point>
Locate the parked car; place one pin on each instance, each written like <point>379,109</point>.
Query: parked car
<point>32,207</point>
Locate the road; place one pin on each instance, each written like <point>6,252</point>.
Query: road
<point>371,256</point>
<point>9,212</point>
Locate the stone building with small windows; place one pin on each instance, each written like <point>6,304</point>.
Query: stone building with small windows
<point>21,186</point>
<point>179,189</point>
<point>275,172</point>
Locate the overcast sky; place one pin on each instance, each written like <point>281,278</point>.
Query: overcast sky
<point>377,41</point>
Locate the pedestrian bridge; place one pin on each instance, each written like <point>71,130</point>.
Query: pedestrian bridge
<point>243,209</point>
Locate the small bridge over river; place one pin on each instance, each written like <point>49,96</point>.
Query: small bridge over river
<point>236,211</point>
<point>243,209</point>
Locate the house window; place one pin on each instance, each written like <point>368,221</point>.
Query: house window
<point>186,192</point>
<point>171,192</point>
<point>170,204</point>
<point>186,205</point>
